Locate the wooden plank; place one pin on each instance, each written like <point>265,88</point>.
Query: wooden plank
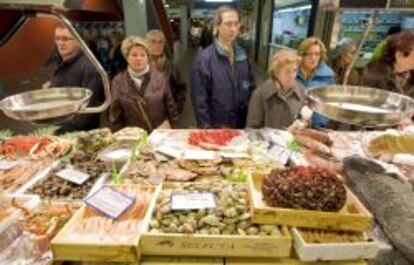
<point>321,251</point>
<point>220,245</point>
<point>353,217</point>
<point>181,261</point>
<point>288,261</point>
<point>64,249</point>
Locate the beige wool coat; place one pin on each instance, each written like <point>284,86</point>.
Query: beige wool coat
<point>270,106</point>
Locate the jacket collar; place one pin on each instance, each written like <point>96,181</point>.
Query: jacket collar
<point>72,59</point>
<point>323,70</point>
<point>239,54</point>
<point>273,88</point>
<point>131,89</point>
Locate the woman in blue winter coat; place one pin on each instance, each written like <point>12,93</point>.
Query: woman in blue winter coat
<point>313,71</point>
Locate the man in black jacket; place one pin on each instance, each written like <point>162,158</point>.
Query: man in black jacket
<point>75,70</point>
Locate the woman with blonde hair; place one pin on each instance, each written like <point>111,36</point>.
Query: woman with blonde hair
<point>314,71</point>
<point>141,95</point>
<point>278,101</point>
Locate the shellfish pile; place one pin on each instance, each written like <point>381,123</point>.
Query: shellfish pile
<point>231,216</point>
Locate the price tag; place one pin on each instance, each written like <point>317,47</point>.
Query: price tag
<point>118,154</point>
<point>7,165</point>
<point>192,201</point>
<point>169,151</point>
<point>232,154</point>
<point>199,155</point>
<point>110,201</point>
<point>280,153</point>
<point>73,175</point>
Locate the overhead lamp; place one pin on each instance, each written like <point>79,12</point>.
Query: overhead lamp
<point>212,1</point>
<point>294,9</point>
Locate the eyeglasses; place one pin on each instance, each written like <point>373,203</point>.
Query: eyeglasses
<point>230,24</point>
<point>64,38</point>
<point>315,54</point>
<point>157,41</point>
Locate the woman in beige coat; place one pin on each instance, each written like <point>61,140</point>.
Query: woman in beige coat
<point>278,101</point>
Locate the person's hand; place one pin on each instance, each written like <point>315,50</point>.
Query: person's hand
<point>384,144</point>
<point>46,85</point>
<point>306,112</point>
<point>405,123</point>
<point>298,125</point>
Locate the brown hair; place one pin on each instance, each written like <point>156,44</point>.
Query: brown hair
<point>280,59</point>
<point>402,42</point>
<point>340,51</point>
<point>133,41</point>
<point>218,16</point>
<point>307,43</point>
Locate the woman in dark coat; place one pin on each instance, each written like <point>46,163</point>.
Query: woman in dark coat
<point>341,59</point>
<point>141,95</point>
<point>393,71</point>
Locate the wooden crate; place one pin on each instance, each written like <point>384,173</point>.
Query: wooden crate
<point>96,251</point>
<point>181,261</point>
<point>353,217</point>
<point>175,244</point>
<point>287,261</point>
<point>216,245</point>
<point>333,251</point>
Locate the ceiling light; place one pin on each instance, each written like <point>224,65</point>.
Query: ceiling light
<point>294,9</point>
<point>218,0</point>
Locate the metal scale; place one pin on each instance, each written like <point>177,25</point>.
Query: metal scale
<point>359,105</point>
<point>57,104</point>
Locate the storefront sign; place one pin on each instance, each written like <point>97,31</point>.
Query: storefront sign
<point>363,4</point>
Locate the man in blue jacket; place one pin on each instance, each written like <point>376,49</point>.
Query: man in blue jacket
<point>221,77</point>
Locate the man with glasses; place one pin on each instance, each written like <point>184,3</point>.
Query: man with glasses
<point>222,78</point>
<point>75,70</point>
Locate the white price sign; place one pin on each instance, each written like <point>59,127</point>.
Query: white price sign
<point>192,201</point>
<point>110,201</point>
<point>7,165</point>
<point>169,150</point>
<point>281,153</point>
<point>73,175</point>
<point>118,154</point>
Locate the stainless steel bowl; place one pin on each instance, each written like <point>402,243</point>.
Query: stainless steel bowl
<point>51,105</point>
<point>362,106</point>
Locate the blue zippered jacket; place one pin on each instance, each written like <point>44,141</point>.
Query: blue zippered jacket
<point>221,93</point>
<point>322,76</point>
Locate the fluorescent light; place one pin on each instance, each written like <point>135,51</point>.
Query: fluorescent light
<point>166,5</point>
<point>293,9</point>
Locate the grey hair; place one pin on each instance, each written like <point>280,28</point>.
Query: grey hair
<point>155,33</point>
<point>218,16</point>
